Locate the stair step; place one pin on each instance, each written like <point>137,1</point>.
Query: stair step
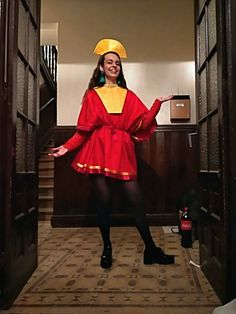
<point>45,201</point>
<point>45,213</point>
<point>45,167</point>
<point>45,177</point>
<point>46,159</point>
<point>46,190</point>
<point>46,193</point>
<point>46,183</point>
<point>48,210</point>
<point>46,172</point>
<point>46,186</point>
<point>49,198</point>
<point>45,152</point>
<point>46,164</point>
<point>46,180</point>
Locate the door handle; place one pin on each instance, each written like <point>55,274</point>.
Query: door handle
<point>190,138</point>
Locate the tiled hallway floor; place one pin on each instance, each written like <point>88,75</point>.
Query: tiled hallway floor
<point>69,279</point>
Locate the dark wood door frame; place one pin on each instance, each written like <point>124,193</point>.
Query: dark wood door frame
<point>19,30</point>
<point>227,29</point>
<point>6,38</point>
<point>230,85</point>
<point>3,15</point>
<point>218,226</point>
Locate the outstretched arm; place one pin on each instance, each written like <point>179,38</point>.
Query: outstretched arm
<point>150,116</point>
<point>58,151</point>
<point>75,141</point>
<point>87,122</point>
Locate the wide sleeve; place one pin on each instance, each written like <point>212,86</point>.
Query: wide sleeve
<point>87,121</point>
<point>76,140</point>
<point>144,123</point>
<point>89,118</point>
<point>149,116</point>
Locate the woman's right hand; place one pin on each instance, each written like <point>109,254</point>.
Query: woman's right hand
<point>58,151</point>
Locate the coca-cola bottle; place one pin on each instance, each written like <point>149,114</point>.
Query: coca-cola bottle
<point>186,228</point>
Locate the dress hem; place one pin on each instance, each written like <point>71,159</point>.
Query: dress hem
<point>85,169</point>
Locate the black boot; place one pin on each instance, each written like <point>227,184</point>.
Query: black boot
<point>155,255</point>
<point>106,258</point>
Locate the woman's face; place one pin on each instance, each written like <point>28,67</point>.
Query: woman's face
<point>111,67</point>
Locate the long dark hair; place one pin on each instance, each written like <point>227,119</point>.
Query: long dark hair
<point>95,79</point>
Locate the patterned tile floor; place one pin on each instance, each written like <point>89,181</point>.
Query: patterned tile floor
<point>69,279</point>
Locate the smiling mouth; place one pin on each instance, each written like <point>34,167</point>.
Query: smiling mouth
<point>113,71</point>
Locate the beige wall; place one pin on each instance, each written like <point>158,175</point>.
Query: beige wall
<point>49,34</point>
<point>158,36</point>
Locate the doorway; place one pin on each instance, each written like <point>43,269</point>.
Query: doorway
<point>18,216</point>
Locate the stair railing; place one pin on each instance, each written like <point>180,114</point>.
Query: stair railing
<point>48,93</point>
<point>49,56</point>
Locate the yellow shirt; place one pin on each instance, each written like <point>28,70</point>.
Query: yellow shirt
<point>112,97</point>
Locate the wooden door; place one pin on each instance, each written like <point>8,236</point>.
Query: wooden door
<point>230,78</point>
<point>2,139</point>
<point>19,212</point>
<point>212,95</point>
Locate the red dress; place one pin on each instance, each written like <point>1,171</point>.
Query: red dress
<point>107,140</point>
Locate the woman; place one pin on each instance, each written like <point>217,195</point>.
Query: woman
<point>111,119</point>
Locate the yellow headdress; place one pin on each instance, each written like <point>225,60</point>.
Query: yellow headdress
<point>107,45</point>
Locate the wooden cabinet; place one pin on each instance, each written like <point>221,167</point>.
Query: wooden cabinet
<point>167,167</point>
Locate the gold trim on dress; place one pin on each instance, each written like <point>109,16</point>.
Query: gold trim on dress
<point>94,167</point>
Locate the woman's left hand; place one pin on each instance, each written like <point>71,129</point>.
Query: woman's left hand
<point>166,98</point>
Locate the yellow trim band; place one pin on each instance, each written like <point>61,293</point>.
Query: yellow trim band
<point>124,173</point>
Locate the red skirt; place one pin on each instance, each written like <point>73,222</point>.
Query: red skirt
<point>107,151</point>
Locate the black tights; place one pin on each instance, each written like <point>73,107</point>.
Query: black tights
<point>101,186</point>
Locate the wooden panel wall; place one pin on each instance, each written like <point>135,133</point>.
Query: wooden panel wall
<point>167,168</point>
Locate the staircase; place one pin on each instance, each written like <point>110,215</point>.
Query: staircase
<point>46,184</point>
<point>47,122</point>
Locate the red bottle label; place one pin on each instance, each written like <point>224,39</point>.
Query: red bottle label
<point>186,225</point>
